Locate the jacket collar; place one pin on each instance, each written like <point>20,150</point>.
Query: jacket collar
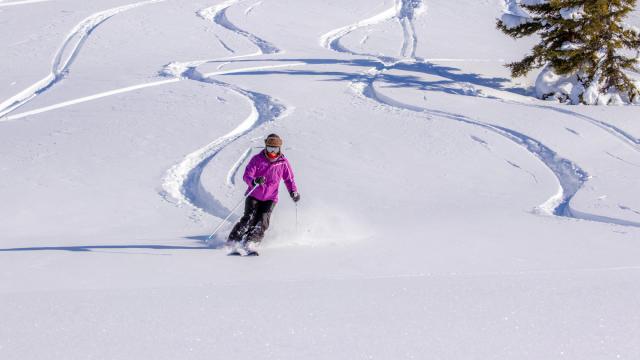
<point>277,160</point>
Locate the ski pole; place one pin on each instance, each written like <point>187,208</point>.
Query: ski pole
<point>232,211</point>
<point>296,218</point>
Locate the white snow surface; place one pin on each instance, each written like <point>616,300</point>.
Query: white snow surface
<point>446,212</point>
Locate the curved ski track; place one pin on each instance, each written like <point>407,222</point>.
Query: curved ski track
<point>405,11</point>
<point>234,169</point>
<point>248,11</point>
<point>183,180</point>
<point>331,40</point>
<point>61,64</point>
<point>139,87</point>
<point>569,175</point>
<point>218,14</point>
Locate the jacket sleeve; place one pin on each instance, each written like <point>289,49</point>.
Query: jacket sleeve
<point>250,172</point>
<point>287,176</point>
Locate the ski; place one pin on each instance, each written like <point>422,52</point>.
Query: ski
<point>241,249</point>
<point>250,248</point>
<point>233,248</point>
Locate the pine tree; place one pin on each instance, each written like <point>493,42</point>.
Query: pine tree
<point>583,39</point>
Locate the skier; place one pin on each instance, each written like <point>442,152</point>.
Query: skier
<point>265,170</point>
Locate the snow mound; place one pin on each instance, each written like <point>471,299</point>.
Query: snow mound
<point>571,89</point>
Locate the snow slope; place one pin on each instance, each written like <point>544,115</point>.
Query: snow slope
<point>445,212</point>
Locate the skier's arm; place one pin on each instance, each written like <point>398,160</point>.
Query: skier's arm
<point>250,173</point>
<point>287,176</point>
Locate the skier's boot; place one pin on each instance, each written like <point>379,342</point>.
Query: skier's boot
<point>251,248</point>
<point>233,248</point>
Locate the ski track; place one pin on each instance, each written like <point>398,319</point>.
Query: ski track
<point>572,131</point>
<point>622,207</point>
<point>331,40</point>
<point>250,8</point>
<point>218,14</point>
<point>404,11</point>
<point>496,94</point>
<point>236,167</point>
<point>225,46</point>
<point>628,139</point>
<point>364,40</point>
<point>570,176</point>
<point>485,145</point>
<point>61,64</point>
<point>183,180</point>
<point>621,159</point>
<point>138,87</point>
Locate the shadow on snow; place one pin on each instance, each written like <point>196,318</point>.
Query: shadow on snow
<point>450,74</point>
<point>89,248</point>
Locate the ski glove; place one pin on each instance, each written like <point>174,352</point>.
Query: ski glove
<point>295,196</point>
<point>258,181</point>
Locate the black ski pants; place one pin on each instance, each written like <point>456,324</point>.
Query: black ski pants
<point>254,222</point>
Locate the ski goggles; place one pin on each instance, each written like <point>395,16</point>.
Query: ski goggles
<point>273,149</point>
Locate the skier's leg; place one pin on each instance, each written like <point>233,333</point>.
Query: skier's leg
<point>240,229</point>
<point>260,223</point>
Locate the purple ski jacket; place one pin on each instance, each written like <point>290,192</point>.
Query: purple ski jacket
<point>273,172</point>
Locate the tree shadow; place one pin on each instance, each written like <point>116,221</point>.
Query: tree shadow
<point>454,74</point>
<point>450,75</point>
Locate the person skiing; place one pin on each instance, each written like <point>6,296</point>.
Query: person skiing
<point>264,172</point>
